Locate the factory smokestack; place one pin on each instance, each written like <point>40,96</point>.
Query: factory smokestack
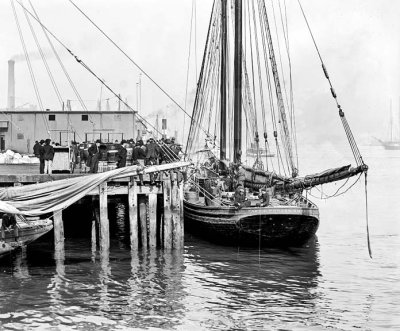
<point>11,85</point>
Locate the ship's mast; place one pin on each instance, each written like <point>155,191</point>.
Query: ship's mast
<point>281,104</point>
<point>391,121</point>
<point>237,110</point>
<point>223,79</point>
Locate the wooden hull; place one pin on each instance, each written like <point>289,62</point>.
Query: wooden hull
<point>252,226</point>
<point>24,233</point>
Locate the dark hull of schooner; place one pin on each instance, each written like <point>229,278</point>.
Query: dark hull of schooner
<point>272,226</point>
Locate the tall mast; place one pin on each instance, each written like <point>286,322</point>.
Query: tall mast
<point>222,153</point>
<point>237,111</point>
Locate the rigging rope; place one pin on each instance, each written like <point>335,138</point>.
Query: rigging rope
<point>81,101</point>
<point>132,61</point>
<point>42,55</point>
<point>356,152</point>
<point>85,66</point>
<point>350,137</point>
<point>35,87</point>
<point>366,216</point>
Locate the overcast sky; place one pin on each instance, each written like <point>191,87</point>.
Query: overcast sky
<point>358,39</point>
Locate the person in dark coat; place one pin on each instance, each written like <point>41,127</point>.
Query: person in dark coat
<point>240,199</point>
<point>41,157</point>
<point>153,152</point>
<point>121,155</point>
<point>36,149</point>
<point>152,155</point>
<point>48,156</point>
<point>93,158</point>
<point>138,157</point>
<point>138,153</point>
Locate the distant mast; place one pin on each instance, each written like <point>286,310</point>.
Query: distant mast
<point>391,120</point>
<point>237,111</point>
<point>222,153</point>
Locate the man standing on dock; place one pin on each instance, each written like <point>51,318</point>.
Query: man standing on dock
<point>41,156</point>
<point>48,155</point>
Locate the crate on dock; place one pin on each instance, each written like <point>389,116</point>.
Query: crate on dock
<point>62,159</point>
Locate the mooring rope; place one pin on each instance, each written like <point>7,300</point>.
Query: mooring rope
<point>366,216</point>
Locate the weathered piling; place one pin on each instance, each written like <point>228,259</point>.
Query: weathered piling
<point>143,220</point>
<point>58,230</point>
<point>175,210</point>
<point>104,223</point>
<point>133,217</point>
<point>167,219</point>
<point>152,220</point>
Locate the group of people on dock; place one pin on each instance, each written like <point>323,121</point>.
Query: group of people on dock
<point>144,153</point>
<point>151,152</point>
<point>44,151</point>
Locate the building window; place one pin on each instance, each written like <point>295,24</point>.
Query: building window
<point>52,117</point>
<point>85,117</point>
<point>20,136</point>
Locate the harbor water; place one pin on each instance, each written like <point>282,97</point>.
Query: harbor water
<point>329,284</point>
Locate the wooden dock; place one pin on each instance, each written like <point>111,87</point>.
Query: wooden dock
<point>155,210</point>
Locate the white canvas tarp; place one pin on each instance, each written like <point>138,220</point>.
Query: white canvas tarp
<point>38,199</point>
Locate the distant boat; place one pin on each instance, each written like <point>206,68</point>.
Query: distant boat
<point>393,143</point>
<point>21,231</point>
<point>390,145</point>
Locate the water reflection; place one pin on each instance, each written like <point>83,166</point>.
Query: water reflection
<point>20,265</point>
<point>266,285</point>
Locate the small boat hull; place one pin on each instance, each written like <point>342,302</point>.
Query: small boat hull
<point>25,232</point>
<point>275,226</point>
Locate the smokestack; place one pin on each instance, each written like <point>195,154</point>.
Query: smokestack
<point>11,85</point>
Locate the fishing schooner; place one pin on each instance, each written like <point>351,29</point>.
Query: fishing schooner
<point>240,93</point>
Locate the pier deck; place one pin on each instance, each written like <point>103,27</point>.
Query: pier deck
<point>155,210</point>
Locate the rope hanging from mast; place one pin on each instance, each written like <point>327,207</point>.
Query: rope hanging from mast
<point>356,152</point>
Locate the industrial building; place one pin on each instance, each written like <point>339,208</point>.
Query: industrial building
<point>19,128</point>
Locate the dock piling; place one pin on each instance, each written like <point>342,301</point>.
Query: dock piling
<point>58,230</point>
<point>104,223</point>
<point>167,219</point>
<point>133,218</point>
<point>143,220</point>
<point>152,220</point>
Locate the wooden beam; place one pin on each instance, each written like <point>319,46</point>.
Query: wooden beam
<point>58,231</point>
<point>104,223</point>
<point>133,216</point>
<point>175,211</point>
<point>181,219</point>
<point>167,195</point>
<point>143,220</point>
<point>152,220</point>
<point>123,190</point>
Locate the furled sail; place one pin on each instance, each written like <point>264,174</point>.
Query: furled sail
<point>258,178</point>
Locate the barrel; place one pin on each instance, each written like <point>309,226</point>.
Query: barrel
<point>112,155</point>
<point>192,196</point>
